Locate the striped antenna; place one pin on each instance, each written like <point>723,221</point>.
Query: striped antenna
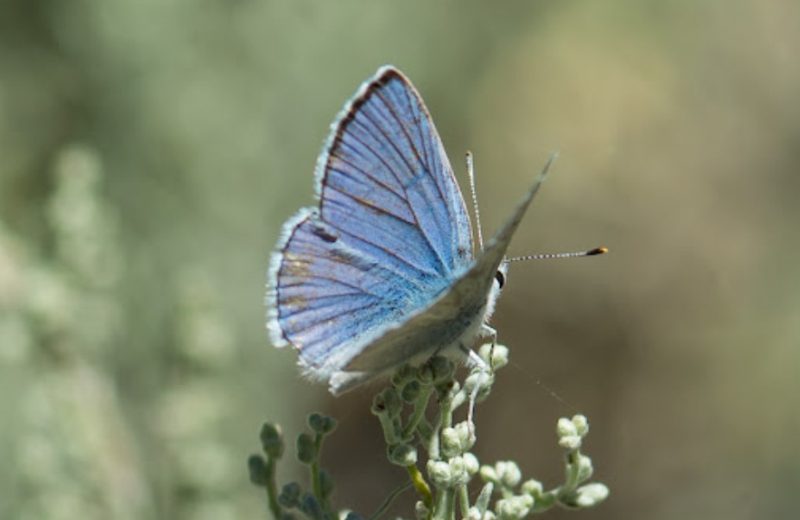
<point>549,256</point>
<point>471,175</point>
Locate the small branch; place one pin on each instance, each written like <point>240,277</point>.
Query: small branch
<point>419,483</point>
<point>272,490</point>
<point>420,405</point>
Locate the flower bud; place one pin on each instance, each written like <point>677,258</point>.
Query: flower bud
<point>387,402</point>
<point>290,495</point>
<point>581,425</point>
<point>499,355</point>
<point>439,471</point>
<point>466,435</point>
<point>442,369</point>
<point>410,391</point>
<point>271,440</point>
<point>451,444</point>
<point>321,424</point>
<point>458,471</point>
<point>508,473</point>
<point>402,454</point>
<point>591,494</point>
<point>488,474</point>
<point>585,468</point>
<point>421,511</point>
<point>533,488</point>
<point>471,463</point>
<point>306,451</point>
<point>405,374</point>
<point>257,467</point>
<point>311,507</point>
<point>425,374</point>
<point>517,506</point>
<point>570,442</point>
<point>566,428</point>
<point>480,379</point>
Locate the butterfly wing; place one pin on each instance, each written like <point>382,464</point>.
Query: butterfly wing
<point>390,234</point>
<point>444,320</point>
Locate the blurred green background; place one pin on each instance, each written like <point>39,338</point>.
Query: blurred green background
<point>150,150</point>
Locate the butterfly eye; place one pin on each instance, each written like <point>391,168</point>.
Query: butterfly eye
<point>501,279</point>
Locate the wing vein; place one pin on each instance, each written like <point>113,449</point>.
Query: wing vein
<point>371,206</point>
<point>413,210</point>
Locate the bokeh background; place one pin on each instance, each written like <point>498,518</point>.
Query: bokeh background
<point>150,150</point>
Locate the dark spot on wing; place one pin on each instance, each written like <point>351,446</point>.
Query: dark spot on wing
<point>324,234</point>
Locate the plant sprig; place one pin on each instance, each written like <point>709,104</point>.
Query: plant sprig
<point>403,409</point>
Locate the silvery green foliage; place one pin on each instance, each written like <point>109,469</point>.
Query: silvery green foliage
<point>62,329</point>
<point>439,445</point>
<point>71,446</point>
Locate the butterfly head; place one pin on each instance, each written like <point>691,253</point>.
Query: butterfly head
<point>500,278</point>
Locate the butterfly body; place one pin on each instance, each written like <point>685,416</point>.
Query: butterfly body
<point>383,272</point>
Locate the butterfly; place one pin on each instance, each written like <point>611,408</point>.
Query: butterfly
<point>384,270</point>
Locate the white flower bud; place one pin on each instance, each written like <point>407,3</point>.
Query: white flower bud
<point>570,442</point>
<point>591,494</point>
<point>480,379</point>
<point>508,473</point>
<point>533,488</point>
<point>421,511</point>
<point>458,471</point>
<point>466,435</point>
<point>517,506</point>
<point>451,442</point>
<point>499,356</point>
<point>581,425</point>
<point>488,474</point>
<point>439,472</point>
<point>585,468</point>
<point>566,428</point>
<point>471,463</point>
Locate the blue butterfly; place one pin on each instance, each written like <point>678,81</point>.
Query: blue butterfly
<point>384,271</point>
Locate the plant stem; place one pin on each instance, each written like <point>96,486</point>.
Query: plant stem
<point>571,482</point>
<point>420,405</point>
<point>463,499</point>
<point>272,490</point>
<point>420,485</point>
<point>316,481</point>
<point>445,505</point>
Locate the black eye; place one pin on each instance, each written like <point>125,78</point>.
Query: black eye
<point>501,278</point>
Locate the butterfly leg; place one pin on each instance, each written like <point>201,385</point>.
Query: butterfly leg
<point>485,370</point>
<point>488,333</point>
<point>482,371</point>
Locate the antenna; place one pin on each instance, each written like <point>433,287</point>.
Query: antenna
<point>471,175</point>
<point>550,256</point>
